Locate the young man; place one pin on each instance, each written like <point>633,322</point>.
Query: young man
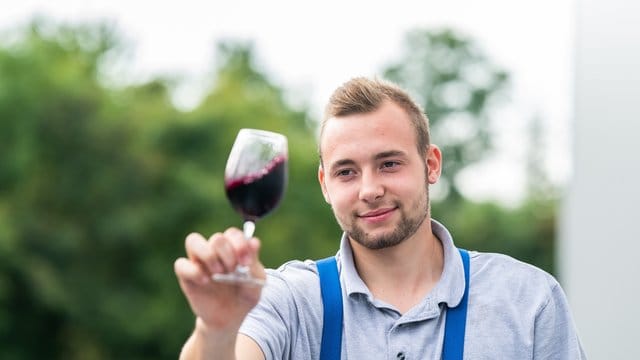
<point>400,273</point>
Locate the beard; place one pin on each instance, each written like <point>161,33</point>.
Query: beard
<point>410,221</point>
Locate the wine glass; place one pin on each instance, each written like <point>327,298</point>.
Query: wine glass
<point>254,179</point>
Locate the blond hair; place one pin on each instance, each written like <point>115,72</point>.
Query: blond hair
<point>362,95</point>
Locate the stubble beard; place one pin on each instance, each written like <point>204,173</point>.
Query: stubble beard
<point>407,226</point>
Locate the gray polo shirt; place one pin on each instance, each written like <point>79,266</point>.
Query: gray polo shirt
<point>515,311</point>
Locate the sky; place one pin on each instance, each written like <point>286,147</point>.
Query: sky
<point>309,48</point>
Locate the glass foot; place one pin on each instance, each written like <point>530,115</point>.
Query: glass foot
<point>238,277</point>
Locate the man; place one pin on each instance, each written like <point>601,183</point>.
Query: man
<point>400,273</point>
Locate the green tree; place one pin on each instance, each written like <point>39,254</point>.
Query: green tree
<point>526,232</point>
<point>80,195</point>
<point>100,185</point>
<point>449,75</point>
<point>244,97</point>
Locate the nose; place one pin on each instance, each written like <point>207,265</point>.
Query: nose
<point>371,188</point>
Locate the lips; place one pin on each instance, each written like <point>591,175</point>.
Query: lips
<point>377,214</point>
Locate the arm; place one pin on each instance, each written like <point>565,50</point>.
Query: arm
<point>208,345</point>
<point>555,335</point>
<point>219,308</point>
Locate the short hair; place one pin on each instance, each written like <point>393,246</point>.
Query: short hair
<point>361,95</point>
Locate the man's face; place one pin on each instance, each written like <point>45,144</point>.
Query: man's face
<point>374,178</point>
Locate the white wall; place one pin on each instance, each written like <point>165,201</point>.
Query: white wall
<point>599,248</point>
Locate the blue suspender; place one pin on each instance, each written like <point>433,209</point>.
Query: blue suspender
<point>454,327</point>
<point>332,304</point>
<point>331,291</point>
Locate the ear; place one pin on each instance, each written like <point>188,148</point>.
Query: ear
<point>323,185</point>
<point>434,164</point>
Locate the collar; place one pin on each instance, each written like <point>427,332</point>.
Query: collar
<point>448,290</point>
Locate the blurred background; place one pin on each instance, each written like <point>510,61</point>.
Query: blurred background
<point>116,119</point>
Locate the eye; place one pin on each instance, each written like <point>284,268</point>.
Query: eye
<point>389,164</point>
<point>344,172</point>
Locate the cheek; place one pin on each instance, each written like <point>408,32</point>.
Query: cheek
<point>410,188</point>
<point>341,196</point>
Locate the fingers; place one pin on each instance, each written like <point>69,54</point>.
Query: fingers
<point>245,252</point>
<point>223,249</point>
<point>200,252</point>
<point>188,271</point>
<point>253,250</point>
<point>222,252</point>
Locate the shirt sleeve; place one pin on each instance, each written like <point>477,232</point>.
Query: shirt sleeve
<point>555,335</point>
<point>269,323</point>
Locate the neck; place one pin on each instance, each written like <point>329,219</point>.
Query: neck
<point>404,274</point>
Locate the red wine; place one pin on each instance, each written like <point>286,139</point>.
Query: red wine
<point>255,195</point>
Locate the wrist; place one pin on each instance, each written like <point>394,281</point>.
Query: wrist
<point>207,342</point>
<point>221,336</point>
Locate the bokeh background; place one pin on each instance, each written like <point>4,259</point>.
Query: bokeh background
<point>116,120</point>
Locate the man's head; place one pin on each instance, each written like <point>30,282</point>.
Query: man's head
<point>361,95</point>
<point>377,164</point>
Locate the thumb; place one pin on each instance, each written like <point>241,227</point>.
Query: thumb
<point>251,255</point>
<point>257,269</point>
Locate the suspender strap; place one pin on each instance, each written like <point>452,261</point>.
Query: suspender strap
<point>332,304</point>
<point>454,327</point>
<point>331,345</point>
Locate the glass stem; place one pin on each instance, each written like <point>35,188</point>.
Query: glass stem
<point>248,228</point>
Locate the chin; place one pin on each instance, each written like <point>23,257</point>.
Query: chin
<point>377,241</point>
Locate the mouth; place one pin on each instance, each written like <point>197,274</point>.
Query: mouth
<point>377,215</point>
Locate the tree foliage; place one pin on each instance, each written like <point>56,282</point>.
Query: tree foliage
<point>99,185</point>
<point>456,84</point>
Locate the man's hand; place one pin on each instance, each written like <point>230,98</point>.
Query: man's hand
<point>220,307</point>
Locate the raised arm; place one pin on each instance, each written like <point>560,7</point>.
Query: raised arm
<point>219,308</point>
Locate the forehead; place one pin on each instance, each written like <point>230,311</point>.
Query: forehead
<point>386,129</point>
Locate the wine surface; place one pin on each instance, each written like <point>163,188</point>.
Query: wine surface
<point>255,195</point>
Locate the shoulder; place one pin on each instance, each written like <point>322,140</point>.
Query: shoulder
<point>507,268</point>
<point>295,274</point>
<point>505,277</point>
<point>288,317</point>
<point>295,282</point>
<point>518,310</point>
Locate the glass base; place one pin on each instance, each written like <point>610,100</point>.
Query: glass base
<point>240,277</point>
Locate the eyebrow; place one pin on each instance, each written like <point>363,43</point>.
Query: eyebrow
<point>340,163</point>
<point>378,156</point>
<point>388,154</point>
